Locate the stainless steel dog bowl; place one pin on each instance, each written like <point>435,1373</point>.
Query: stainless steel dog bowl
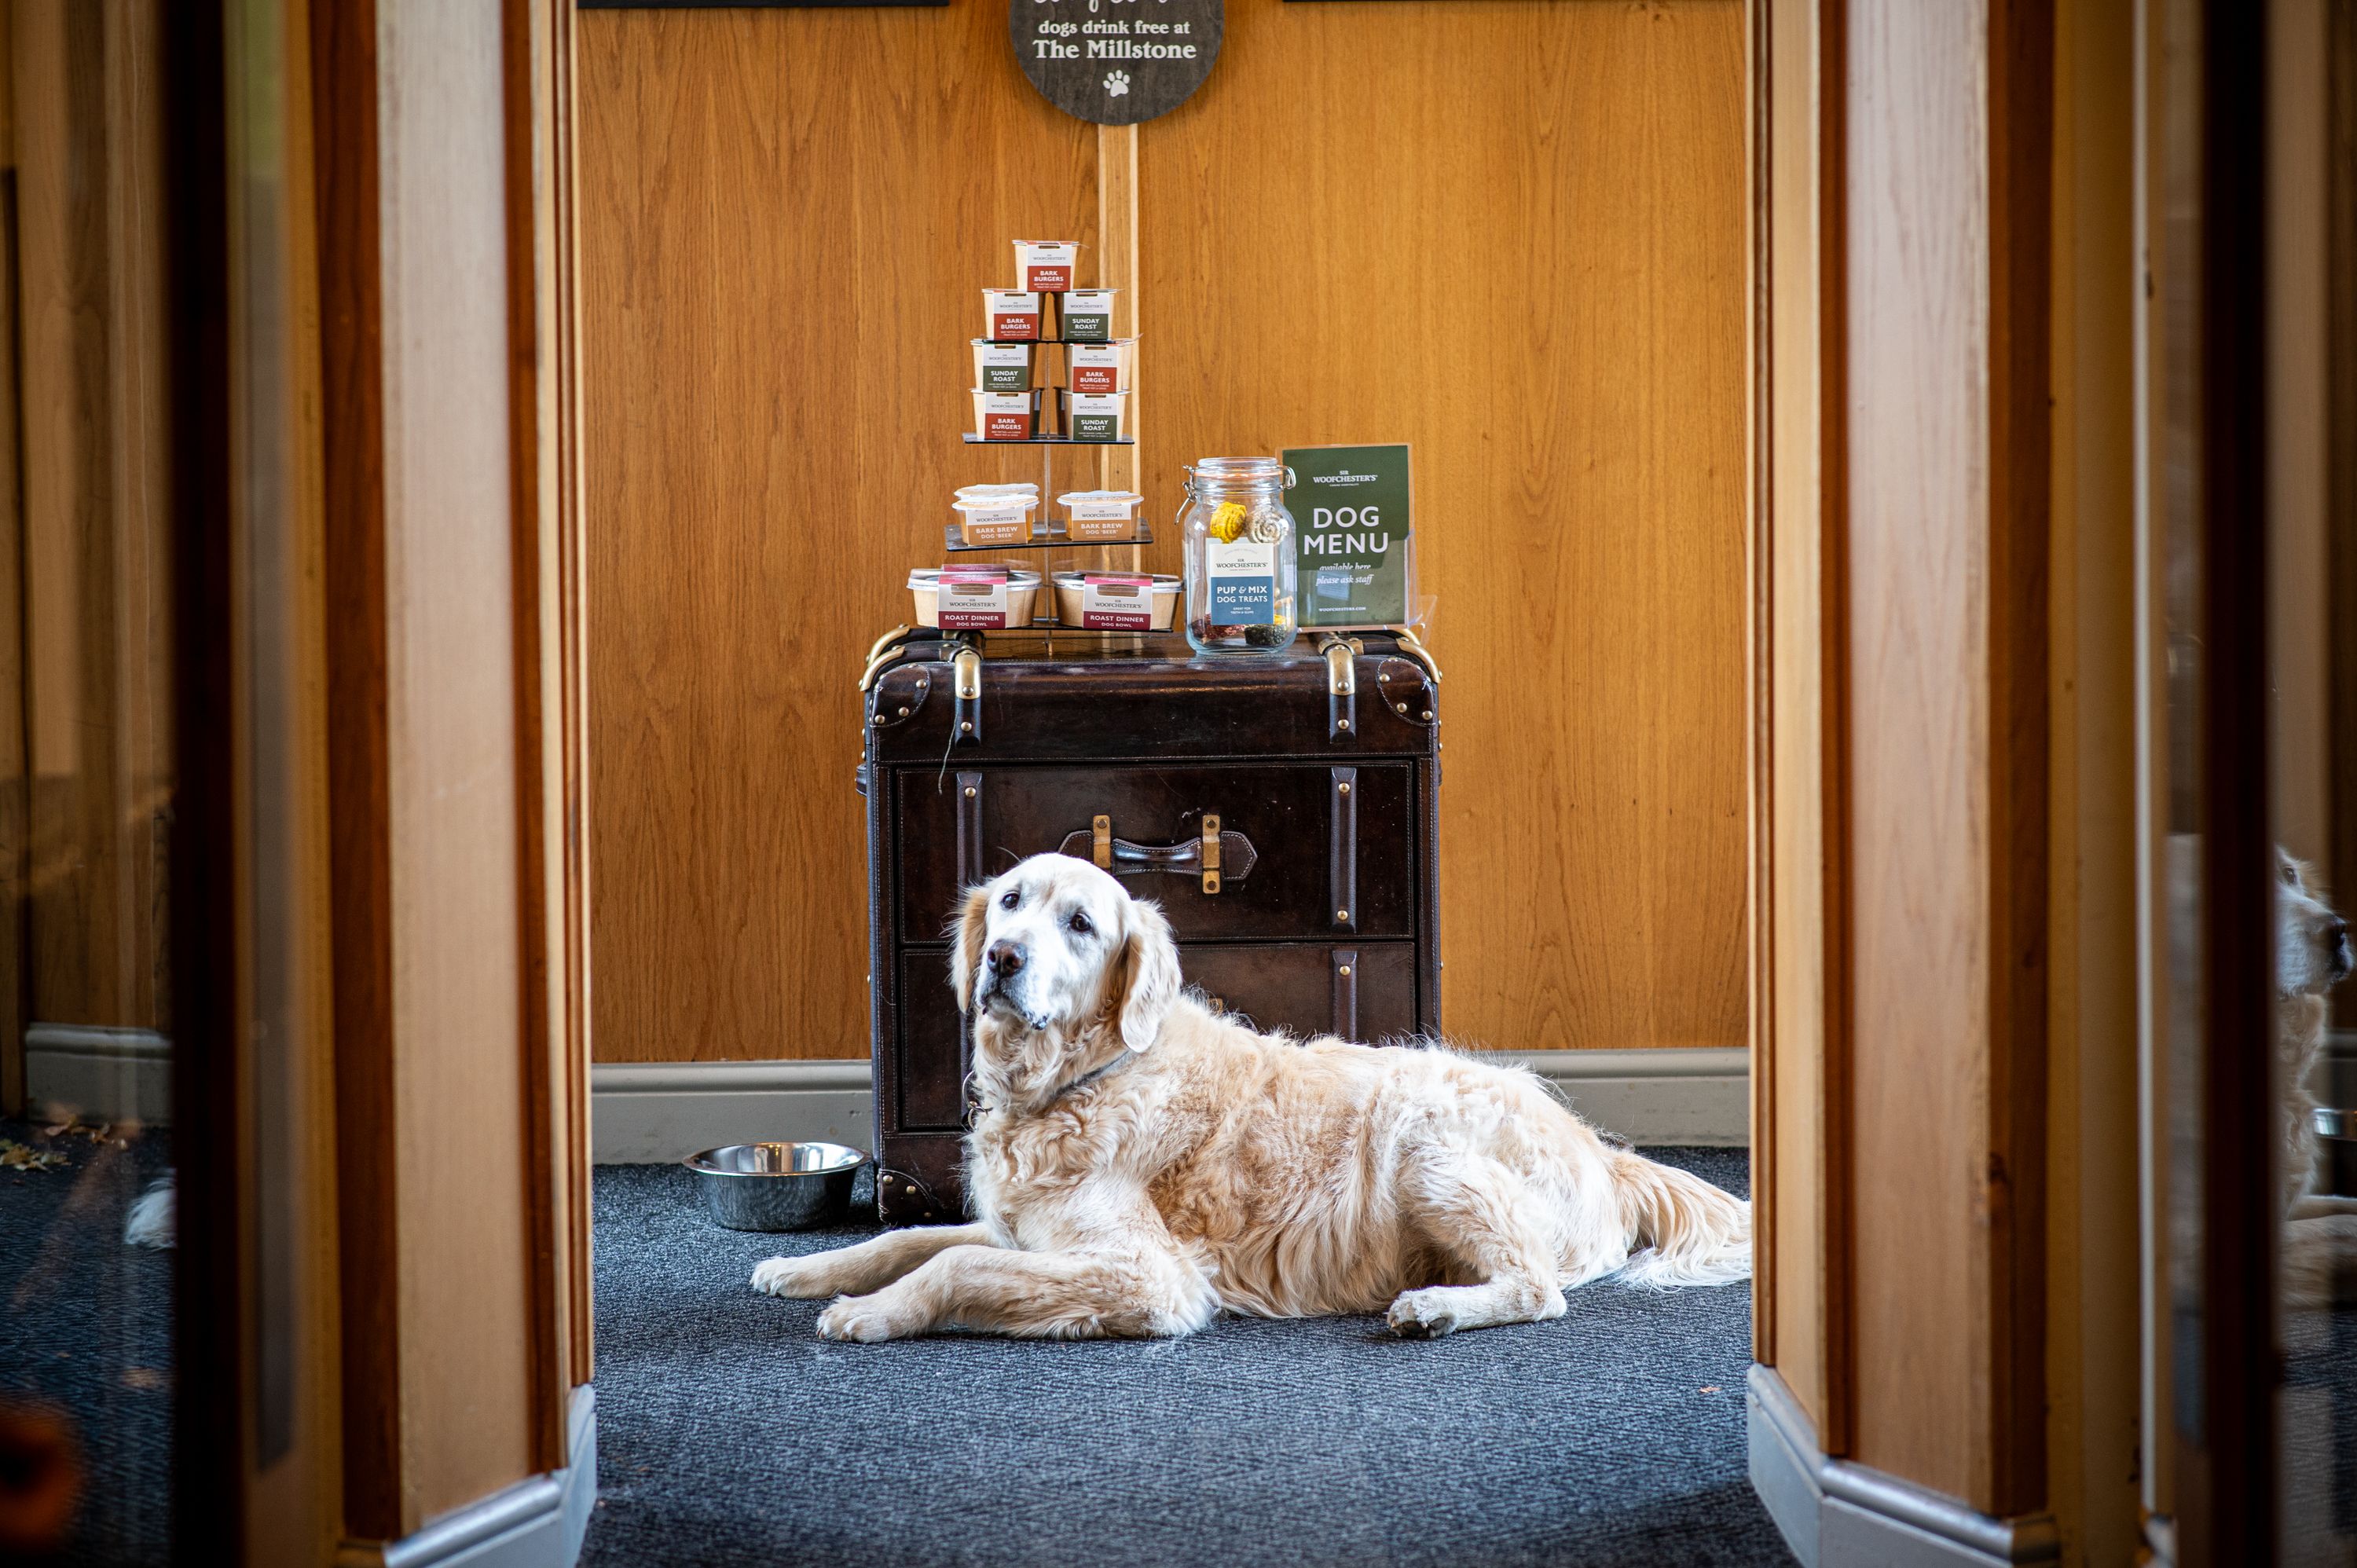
<point>776,1187</point>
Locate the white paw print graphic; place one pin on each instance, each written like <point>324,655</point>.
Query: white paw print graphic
<point>1116,84</point>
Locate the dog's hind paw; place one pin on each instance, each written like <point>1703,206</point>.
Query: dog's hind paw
<point>1416,1314</point>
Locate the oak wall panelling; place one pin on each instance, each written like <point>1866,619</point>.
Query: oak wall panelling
<point>787,218</point>
<point>1514,237</point>
<point>781,243</point>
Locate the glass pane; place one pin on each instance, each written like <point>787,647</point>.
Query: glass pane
<point>86,795</point>
<point>2312,597</point>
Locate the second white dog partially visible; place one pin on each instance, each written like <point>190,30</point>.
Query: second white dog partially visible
<point>1143,1163</point>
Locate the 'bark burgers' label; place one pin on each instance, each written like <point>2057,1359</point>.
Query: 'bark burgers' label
<point>1006,416</point>
<point>1045,266</point>
<point>1242,578</point>
<point>1099,367</point>
<point>1014,318</point>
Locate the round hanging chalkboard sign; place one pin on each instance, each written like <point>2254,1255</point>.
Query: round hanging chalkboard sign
<point>1116,61</point>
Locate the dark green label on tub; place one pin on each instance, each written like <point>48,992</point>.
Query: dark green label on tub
<point>1088,329</point>
<point>1096,427</point>
<point>1352,534</point>
<point>1007,378</point>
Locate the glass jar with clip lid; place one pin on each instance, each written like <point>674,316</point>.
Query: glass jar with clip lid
<point>1239,547</point>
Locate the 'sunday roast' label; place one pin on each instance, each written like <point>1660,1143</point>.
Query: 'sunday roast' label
<point>1087,316</point>
<point>1003,366</point>
<point>1241,576</point>
<point>1116,601</point>
<point>1095,416</point>
<point>972,601</point>
<point>1354,535</point>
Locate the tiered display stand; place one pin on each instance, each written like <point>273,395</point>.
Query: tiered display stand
<point>1046,537</point>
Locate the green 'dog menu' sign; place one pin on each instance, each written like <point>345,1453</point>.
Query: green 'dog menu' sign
<point>1352,534</point>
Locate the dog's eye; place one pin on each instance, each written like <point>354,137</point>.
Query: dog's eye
<point>1010,901</point>
<point>1080,924</point>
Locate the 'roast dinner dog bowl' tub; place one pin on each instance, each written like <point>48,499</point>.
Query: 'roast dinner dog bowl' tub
<point>1114,601</point>
<point>776,1187</point>
<point>975,598</point>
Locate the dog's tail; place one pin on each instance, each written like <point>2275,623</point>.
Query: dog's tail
<point>1690,1232</point>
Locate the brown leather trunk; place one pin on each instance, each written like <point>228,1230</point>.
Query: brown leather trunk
<point>1311,780</point>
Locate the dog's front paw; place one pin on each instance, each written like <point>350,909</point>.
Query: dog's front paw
<point>787,1277</point>
<point>1422,1315</point>
<point>861,1319</point>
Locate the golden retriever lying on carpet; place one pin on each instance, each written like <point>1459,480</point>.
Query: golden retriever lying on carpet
<point>1142,1164</point>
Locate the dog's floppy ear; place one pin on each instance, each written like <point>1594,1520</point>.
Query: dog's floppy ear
<point>965,949</point>
<point>1150,975</point>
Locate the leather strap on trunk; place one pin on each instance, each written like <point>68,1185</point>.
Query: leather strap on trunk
<point>1343,847</point>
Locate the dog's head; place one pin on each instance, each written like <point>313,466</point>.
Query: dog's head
<point>2312,952</point>
<point>1061,970</point>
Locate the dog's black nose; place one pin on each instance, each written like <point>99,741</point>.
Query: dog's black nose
<point>1006,957</point>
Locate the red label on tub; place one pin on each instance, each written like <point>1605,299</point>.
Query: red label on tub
<point>1015,326</point>
<point>1046,279</point>
<point>1096,378</point>
<point>1006,427</point>
<point>1116,601</point>
<point>970,600</point>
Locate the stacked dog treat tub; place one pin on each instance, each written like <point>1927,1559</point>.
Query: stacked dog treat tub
<point>1042,325</point>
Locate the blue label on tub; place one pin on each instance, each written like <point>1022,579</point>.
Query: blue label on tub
<point>1242,579</point>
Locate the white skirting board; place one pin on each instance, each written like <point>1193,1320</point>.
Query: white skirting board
<point>652,1112</point>
<point>100,1074</point>
<point>539,1522</point>
<point>1836,1514</point>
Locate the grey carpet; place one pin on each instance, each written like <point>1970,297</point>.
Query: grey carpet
<point>86,1330</point>
<point>729,1433</point>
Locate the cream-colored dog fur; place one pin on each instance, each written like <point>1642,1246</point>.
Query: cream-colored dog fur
<point>1142,1164</point>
